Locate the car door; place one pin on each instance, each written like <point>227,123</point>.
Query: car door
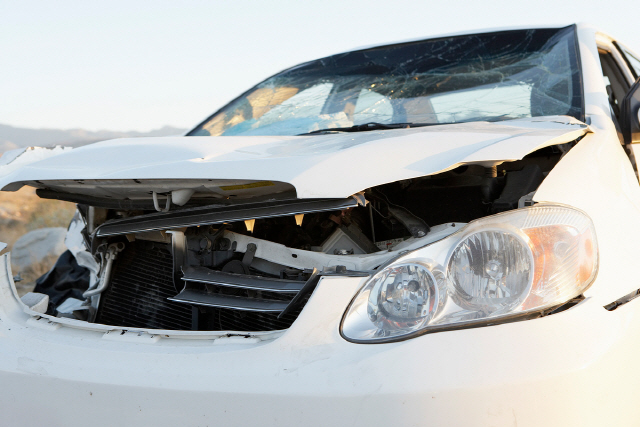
<point>619,75</point>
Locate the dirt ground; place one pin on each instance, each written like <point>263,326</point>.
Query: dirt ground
<point>23,211</point>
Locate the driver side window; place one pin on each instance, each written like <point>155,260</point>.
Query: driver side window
<point>632,60</point>
<point>614,82</point>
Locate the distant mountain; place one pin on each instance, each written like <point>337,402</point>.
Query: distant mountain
<point>14,137</point>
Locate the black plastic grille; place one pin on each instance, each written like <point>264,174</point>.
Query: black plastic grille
<point>140,285</point>
<point>142,281</point>
<point>234,320</point>
<point>225,319</point>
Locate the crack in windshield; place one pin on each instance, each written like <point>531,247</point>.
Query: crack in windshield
<point>482,77</point>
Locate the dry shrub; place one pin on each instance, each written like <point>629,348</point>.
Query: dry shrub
<point>22,211</point>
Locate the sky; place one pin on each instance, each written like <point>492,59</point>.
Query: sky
<point>140,65</point>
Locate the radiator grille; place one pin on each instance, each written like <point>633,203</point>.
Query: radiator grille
<point>142,281</point>
<point>239,321</point>
<point>140,285</point>
<point>224,319</point>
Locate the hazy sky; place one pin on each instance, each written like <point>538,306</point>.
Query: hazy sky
<point>139,65</point>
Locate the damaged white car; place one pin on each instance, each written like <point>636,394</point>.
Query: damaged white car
<point>435,232</point>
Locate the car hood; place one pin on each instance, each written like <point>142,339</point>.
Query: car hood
<point>318,166</point>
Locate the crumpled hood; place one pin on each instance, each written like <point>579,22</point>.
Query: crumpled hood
<point>331,165</point>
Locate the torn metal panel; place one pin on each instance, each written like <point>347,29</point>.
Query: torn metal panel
<point>319,166</point>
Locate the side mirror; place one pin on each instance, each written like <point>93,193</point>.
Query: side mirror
<point>630,115</point>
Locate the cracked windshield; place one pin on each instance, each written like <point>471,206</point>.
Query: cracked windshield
<point>482,77</point>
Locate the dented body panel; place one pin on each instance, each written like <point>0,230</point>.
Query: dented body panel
<point>363,159</point>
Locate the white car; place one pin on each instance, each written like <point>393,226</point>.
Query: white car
<point>434,232</point>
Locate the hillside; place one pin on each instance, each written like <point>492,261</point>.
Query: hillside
<point>15,137</point>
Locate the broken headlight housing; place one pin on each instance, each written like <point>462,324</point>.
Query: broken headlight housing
<point>501,268</point>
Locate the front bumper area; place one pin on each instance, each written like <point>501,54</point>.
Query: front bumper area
<point>568,369</point>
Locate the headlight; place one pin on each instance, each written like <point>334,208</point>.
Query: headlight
<point>496,269</point>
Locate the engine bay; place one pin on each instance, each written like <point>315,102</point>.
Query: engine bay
<point>251,266</point>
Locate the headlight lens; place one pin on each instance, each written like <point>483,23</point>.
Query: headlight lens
<point>490,271</point>
<point>516,263</point>
<point>405,296</point>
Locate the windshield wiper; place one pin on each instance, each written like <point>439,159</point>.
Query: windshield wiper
<point>369,126</point>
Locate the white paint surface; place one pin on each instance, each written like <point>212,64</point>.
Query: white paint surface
<point>333,165</point>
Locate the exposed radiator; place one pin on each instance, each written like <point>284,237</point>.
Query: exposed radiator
<point>140,285</point>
